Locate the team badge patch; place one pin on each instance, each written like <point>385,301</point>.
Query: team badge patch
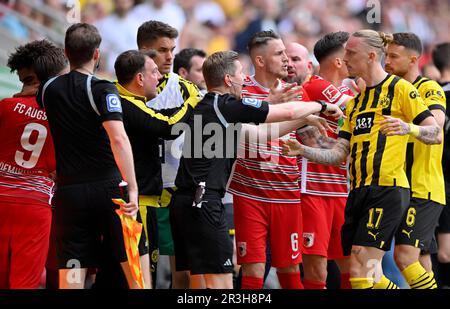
<point>252,102</point>
<point>113,103</point>
<point>242,248</point>
<point>308,240</point>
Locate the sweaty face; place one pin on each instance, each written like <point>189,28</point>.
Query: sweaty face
<point>397,60</point>
<point>164,48</point>
<point>275,58</point>
<point>356,57</point>
<point>298,65</point>
<point>151,78</point>
<point>195,73</point>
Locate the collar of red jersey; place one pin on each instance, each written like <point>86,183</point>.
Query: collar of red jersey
<point>126,93</point>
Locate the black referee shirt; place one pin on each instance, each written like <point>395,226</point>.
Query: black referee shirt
<point>198,163</point>
<point>82,145</point>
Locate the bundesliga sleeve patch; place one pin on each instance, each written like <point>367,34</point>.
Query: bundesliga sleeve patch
<point>113,103</point>
<point>252,102</point>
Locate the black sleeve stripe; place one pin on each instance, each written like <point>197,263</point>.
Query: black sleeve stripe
<point>422,116</point>
<point>345,135</point>
<point>436,106</point>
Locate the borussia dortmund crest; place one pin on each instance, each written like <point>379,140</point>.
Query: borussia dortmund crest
<point>385,102</point>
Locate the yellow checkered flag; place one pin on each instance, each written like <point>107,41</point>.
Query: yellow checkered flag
<point>132,231</point>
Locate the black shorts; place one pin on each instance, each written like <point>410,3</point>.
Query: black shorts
<point>200,235</point>
<point>229,218</point>
<point>372,216</point>
<point>86,223</point>
<point>418,224</point>
<point>444,219</point>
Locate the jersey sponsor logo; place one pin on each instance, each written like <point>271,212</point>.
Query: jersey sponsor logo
<point>364,123</point>
<point>433,93</point>
<point>331,93</point>
<point>252,102</point>
<point>113,103</point>
<point>308,240</point>
<point>294,256</point>
<point>242,248</point>
<point>414,94</point>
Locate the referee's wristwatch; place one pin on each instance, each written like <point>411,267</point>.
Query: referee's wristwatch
<point>324,106</point>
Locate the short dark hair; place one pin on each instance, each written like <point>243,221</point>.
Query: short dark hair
<point>81,42</point>
<point>43,57</point>
<point>152,30</point>
<point>183,58</point>
<point>441,56</point>
<point>217,65</point>
<point>409,40</point>
<point>329,44</point>
<point>129,63</point>
<point>261,38</point>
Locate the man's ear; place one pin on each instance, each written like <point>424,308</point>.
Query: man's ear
<point>183,72</point>
<point>310,67</point>
<point>139,79</point>
<point>97,54</point>
<point>227,80</point>
<point>372,56</point>
<point>414,59</point>
<point>259,61</point>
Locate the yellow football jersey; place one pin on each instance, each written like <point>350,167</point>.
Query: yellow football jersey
<point>424,162</point>
<point>376,159</point>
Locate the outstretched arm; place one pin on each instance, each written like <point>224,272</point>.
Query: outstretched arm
<point>334,156</point>
<point>298,109</point>
<point>428,131</point>
<point>270,131</point>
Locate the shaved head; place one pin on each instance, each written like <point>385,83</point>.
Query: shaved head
<point>300,66</point>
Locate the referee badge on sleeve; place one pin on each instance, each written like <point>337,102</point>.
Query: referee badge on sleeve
<point>252,102</point>
<point>113,103</point>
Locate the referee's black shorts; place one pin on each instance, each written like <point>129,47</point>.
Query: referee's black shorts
<point>200,235</point>
<point>372,216</point>
<point>86,223</point>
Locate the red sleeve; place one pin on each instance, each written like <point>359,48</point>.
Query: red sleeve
<point>303,95</point>
<point>320,89</point>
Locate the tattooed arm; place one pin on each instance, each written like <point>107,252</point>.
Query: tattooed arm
<point>334,156</point>
<point>310,136</point>
<point>428,132</point>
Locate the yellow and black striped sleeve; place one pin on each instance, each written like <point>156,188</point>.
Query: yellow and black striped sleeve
<point>432,94</point>
<point>190,92</point>
<point>412,105</point>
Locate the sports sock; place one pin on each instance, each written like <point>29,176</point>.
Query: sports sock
<point>251,283</point>
<point>361,283</point>
<point>385,284</point>
<point>290,280</point>
<point>418,278</point>
<point>345,281</point>
<point>313,285</point>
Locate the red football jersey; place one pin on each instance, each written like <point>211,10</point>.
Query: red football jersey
<point>27,155</point>
<point>264,173</point>
<point>315,178</point>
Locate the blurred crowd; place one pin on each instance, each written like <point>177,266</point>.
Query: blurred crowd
<point>214,25</point>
